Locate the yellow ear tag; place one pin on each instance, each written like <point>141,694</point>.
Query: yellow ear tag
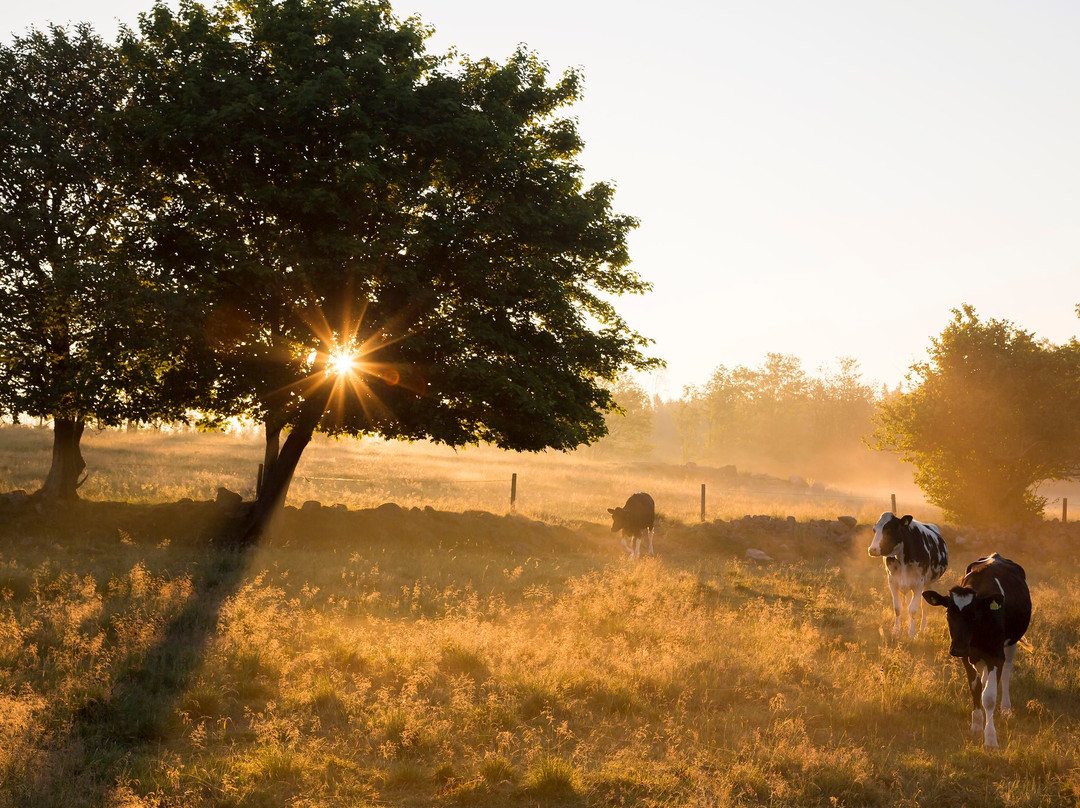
<point>994,605</point>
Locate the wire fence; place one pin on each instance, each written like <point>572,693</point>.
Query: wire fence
<point>809,494</point>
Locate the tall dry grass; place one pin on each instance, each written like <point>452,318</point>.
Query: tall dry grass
<point>441,656</point>
<point>428,658</point>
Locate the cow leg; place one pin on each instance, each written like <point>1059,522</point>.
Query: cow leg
<point>629,545</point>
<point>895,590</point>
<point>989,677</point>
<point>917,598</point>
<point>1004,675</point>
<point>913,612</point>
<point>975,686</point>
<point>650,541</point>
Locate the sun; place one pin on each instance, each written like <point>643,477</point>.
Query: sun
<point>342,362</point>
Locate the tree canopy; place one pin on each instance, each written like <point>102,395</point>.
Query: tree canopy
<point>82,325</point>
<point>989,416</point>
<point>346,194</point>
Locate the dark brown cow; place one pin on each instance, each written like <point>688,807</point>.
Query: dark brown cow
<point>635,519</point>
<point>988,614</point>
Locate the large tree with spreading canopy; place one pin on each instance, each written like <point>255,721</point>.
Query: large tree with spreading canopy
<point>393,242</point>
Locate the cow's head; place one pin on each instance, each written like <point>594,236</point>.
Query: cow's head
<point>887,534</point>
<point>618,519</point>
<point>969,615</point>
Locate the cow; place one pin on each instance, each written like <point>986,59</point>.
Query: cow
<point>634,520</point>
<point>988,613</point>
<point>915,556</point>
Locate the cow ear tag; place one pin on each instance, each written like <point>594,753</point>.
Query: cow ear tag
<point>994,605</point>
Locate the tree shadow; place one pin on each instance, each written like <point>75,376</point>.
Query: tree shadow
<point>101,738</point>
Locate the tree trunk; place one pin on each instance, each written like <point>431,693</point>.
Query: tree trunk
<point>277,477</point>
<point>273,449</point>
<point>272,426</point>
<point>67,461</point>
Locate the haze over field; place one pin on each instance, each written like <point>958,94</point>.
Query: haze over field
<point>309,456</point>
<point>823,179</point>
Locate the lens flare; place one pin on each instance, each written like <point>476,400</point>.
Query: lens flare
<point>342,362</point>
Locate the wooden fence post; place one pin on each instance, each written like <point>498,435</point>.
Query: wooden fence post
<point>513,490</point>
<point>1064,510</point>
<point>894,503</point>
<point>259,482</point>
<point>703,502</point>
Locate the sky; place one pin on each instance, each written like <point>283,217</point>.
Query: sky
<point>825,179</point>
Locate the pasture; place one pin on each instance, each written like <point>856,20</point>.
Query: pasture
<point>449,653</point>
<point>146,466</point>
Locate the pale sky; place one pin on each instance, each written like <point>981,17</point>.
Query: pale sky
<point>822,179</point>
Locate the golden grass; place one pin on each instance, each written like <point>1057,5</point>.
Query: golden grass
<point>147,466</point>
<point>440,659</point>
<point>437,657</point>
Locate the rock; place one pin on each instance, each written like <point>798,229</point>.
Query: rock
<point>14,500</point>
<point>311,506</point>
<point>388,508</point>
<point>227,500</point>
<point>758,555</point>
<point>849,521</point>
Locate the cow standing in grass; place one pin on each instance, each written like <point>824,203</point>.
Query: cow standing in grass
<point>915,556</point>
<point>635,520</point>
<point>988,614</point>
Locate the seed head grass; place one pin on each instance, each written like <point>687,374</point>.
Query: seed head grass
<point>439,657</point>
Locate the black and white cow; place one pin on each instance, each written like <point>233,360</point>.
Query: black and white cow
<point>635,519</point>
<point>988,614</point>
<point>915,556</point>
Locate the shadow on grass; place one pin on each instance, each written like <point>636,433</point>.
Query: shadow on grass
<point>104,736</point>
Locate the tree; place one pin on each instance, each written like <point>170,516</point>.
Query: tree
<point>989,416</point>
<point>81,327</point>
<point>629,427</point>
<point>393,243</point>
<point>777,414</point>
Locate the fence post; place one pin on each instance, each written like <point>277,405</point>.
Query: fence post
<point>513,490</point>
<point>259,482</point>
<point>703,502</point>
<point>894,503</point>
<point>1064,510</point>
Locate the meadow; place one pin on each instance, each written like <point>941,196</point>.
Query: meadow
<point>149,466</point>
<point>443,652</point>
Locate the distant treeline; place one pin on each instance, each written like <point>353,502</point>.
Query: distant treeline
<point>983,422</point>
<point>777,413</point>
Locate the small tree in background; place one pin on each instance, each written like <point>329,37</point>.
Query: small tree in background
<point>630,427</point>
<point>988,417</point>
<point>82,324</point>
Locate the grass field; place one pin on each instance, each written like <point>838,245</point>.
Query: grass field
<point>445,656</point>
<point>148,467</point>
